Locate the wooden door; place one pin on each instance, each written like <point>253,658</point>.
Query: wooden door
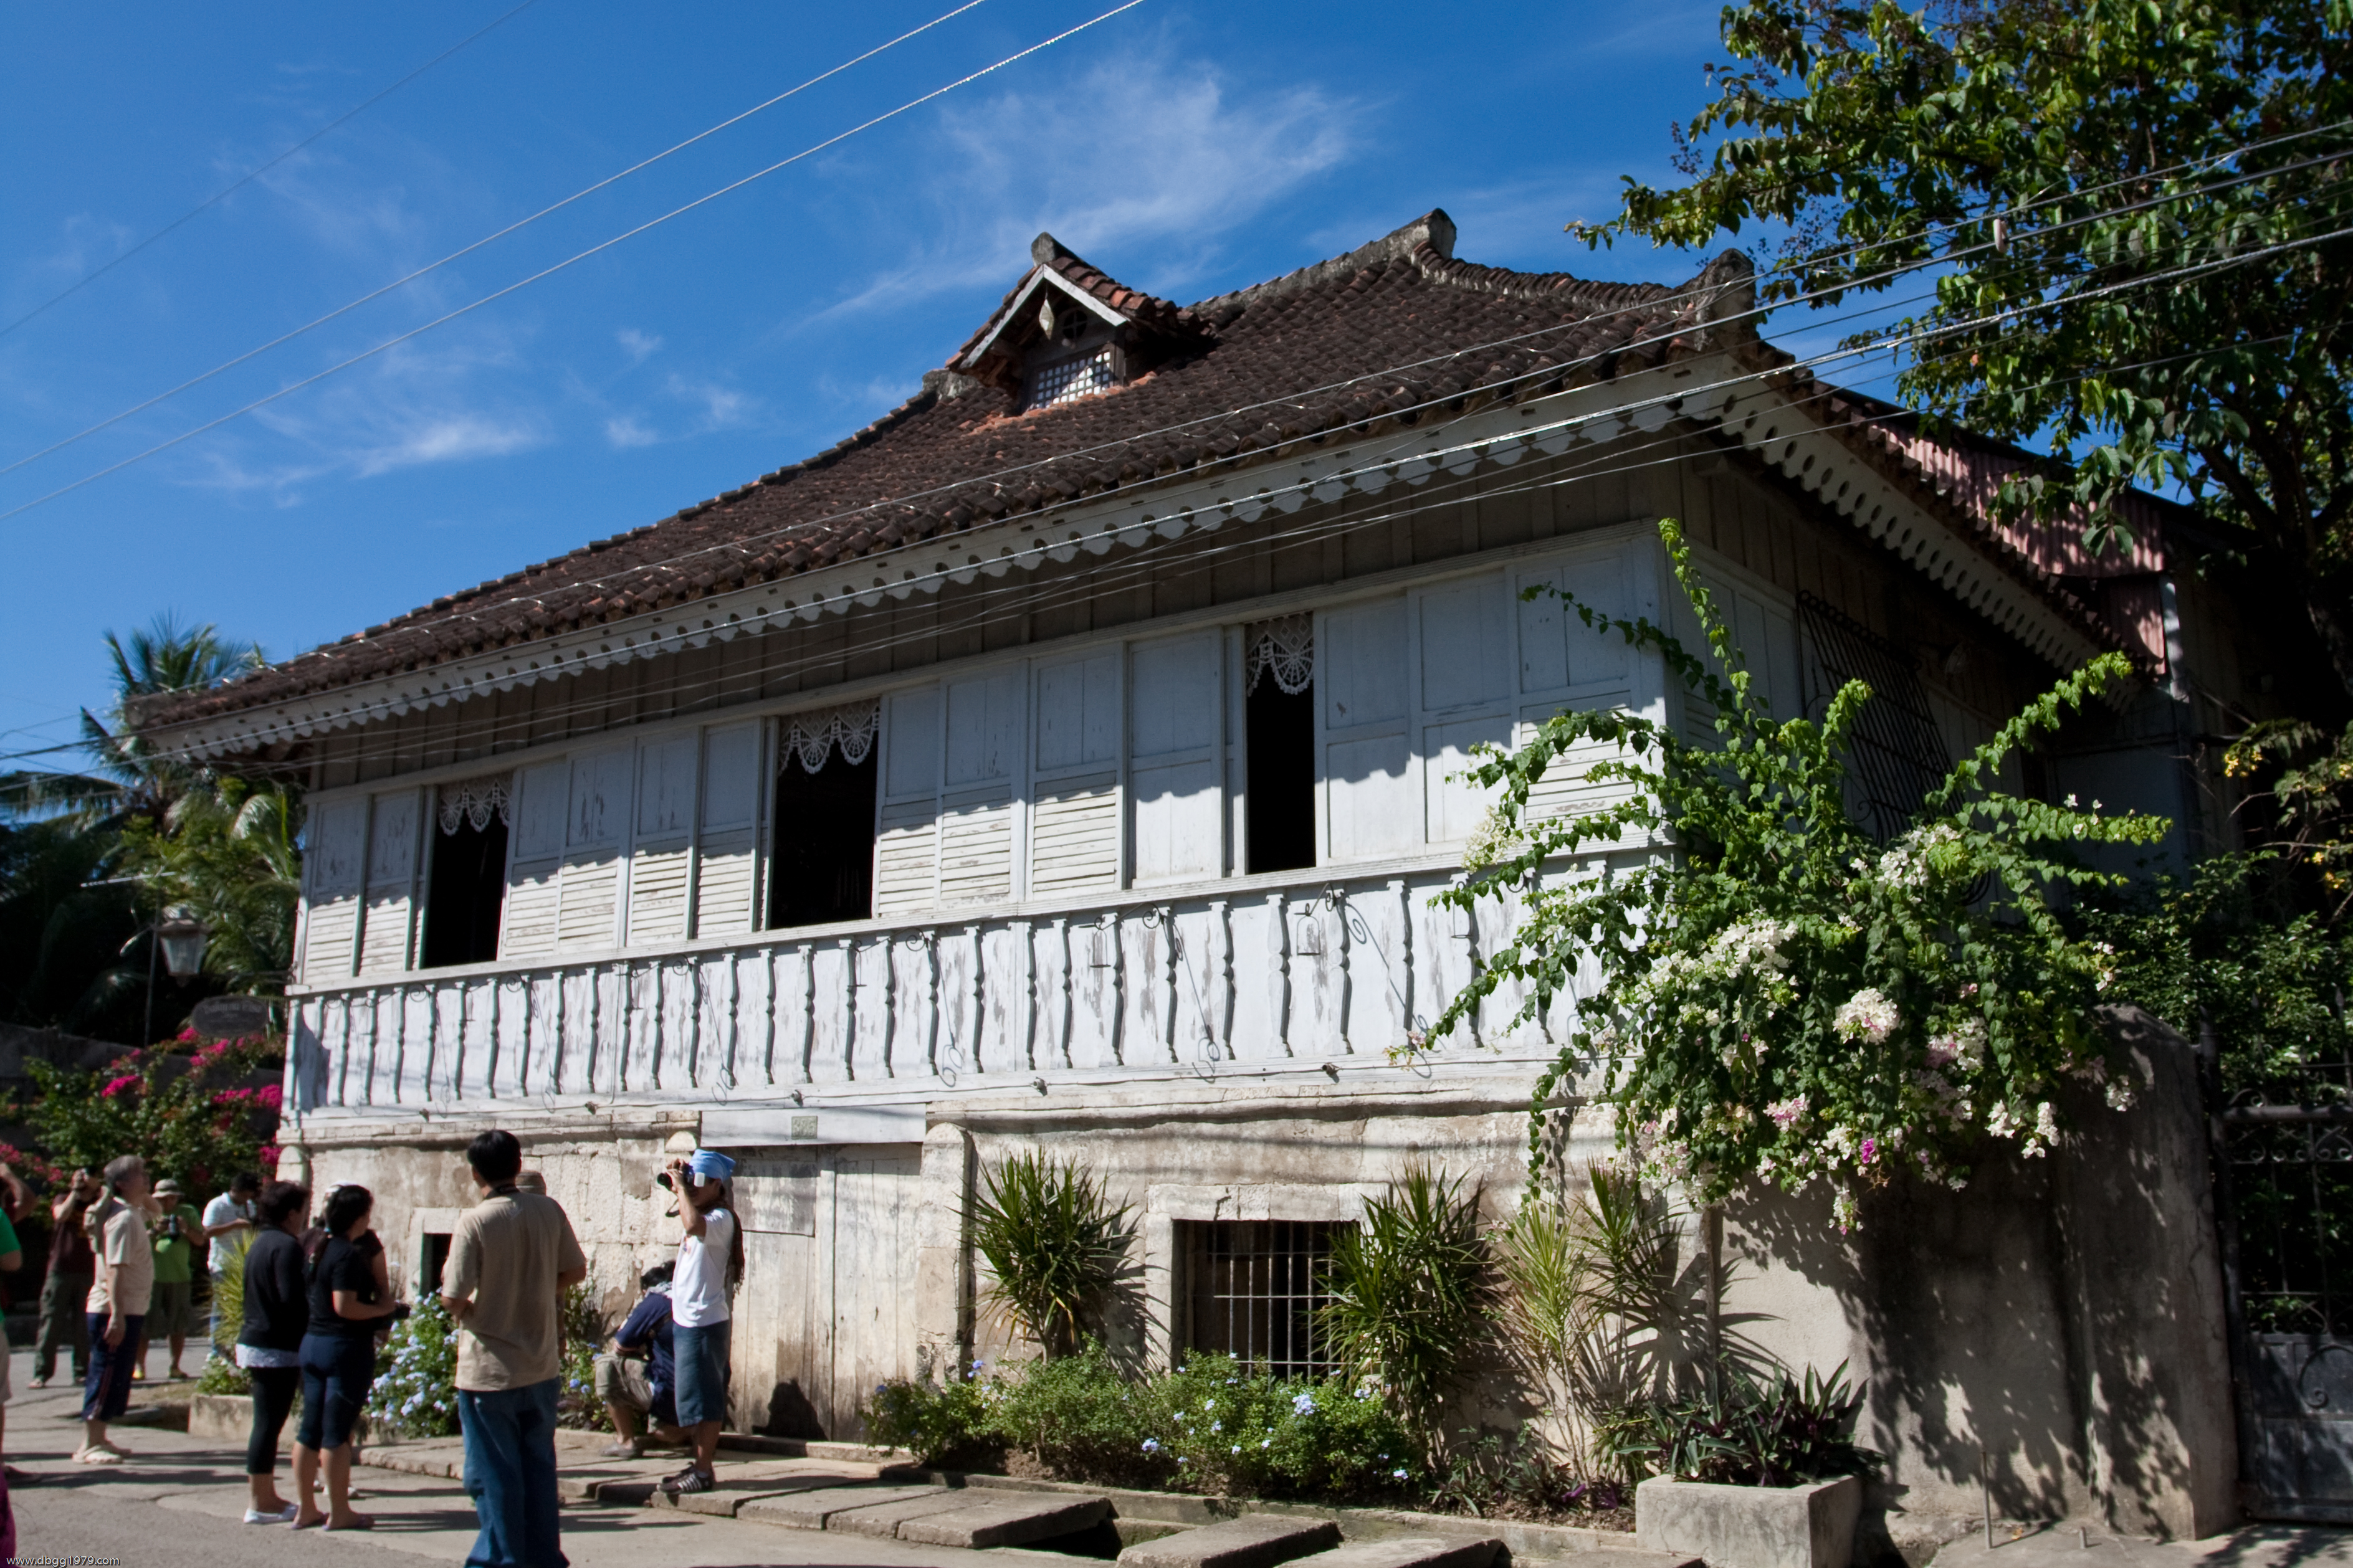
<point>876,1203</point>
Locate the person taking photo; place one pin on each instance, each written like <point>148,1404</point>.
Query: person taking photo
<point>709,1262</point>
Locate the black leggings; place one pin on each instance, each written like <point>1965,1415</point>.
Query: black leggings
<point>273,1396</point>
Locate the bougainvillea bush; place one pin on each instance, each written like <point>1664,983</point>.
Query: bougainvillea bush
<point>1780,996</point>
<point>191,1117</point>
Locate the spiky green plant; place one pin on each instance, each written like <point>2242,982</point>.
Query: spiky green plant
<point>1054,1244</point>
<point>1408,1291</point>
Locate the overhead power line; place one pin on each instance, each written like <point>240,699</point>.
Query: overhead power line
<point>521,223</point>
<point>95,273</point>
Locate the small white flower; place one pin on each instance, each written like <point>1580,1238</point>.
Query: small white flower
<point>1868,1014</point>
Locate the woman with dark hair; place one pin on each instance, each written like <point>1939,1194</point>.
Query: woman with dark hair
<point>269,1346</point>
<point>351,1298</point>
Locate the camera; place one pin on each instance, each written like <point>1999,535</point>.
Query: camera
<point>665,1181</point>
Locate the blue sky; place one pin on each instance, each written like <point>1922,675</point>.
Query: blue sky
<point>1187,148</point>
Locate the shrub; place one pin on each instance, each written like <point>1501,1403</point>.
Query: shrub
<point>187,1116</point>
<point>1776,1433</point>
<point>1409,1290</point>
<point>1054,1245</point>
<point>936,1422</point>
<point>583,1334</point>
<point>415,1392</point>
<point>224,1377</point>
<point>1786,998</point>
<point>1210,1426</point>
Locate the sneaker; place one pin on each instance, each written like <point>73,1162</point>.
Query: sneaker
<point>690,1481</point>
<point>284,1516</point>
<point>626,1449</point>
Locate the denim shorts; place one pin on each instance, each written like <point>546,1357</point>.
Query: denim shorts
<point>700,1355</point>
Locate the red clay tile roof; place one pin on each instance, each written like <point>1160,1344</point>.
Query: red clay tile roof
<point>1359,343</point>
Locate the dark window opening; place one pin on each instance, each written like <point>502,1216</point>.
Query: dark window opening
<point>462,900</point>
<point>1253,1288</point>
<point>1281,746</point>
<point>824,864</point>
<point>431,1262</point>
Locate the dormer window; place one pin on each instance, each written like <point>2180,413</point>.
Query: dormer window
<point>1059,381</point>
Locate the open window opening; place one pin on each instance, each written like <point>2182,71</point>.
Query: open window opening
<point>1278,741</point>
<point>1252,1290</point>
<point>467,876</point>
<point>432,1261</point>
<point>822,869</point>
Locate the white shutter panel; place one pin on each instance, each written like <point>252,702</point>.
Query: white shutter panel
<point>334,855</point>
<point>1764,625</point>
<point>976,823</point>
<point>906,848</point>
<point>390,918</point>
<point>1174,763</point>
<point>728,845</point>
<point>536,856</point>
<point>1074,822</point>
<point>1360,682</point>
<point>663,848</point>
<point>1462,647</point>
<point>1566,664</point>
<point>596,818</point>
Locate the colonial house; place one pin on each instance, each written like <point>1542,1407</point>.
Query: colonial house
<point>1069,760</point>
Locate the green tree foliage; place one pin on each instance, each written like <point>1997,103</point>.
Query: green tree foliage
<point>192,1118</point>
<point>1407,1291</point>
<point>226,850</point>
<point>1781,997</point>
<point>62,965</point>
<point>1054,1245</point>
<point>2138,212</point>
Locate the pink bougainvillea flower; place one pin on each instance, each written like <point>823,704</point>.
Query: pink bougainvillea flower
<point>127,1082</point>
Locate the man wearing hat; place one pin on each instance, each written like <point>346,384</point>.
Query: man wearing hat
<point>709,1263</point>
<point>175,1260</point>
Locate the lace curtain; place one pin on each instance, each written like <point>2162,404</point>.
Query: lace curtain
<point>475,801</point>
<point>811,736</point>
<point>1286,649</point>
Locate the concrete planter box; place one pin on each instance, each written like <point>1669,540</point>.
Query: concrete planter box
<point>1750,1527</point>
<point>228,1418</point>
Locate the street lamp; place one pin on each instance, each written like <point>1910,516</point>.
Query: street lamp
<point>183,937</point>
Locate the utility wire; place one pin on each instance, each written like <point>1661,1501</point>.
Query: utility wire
<point>252,174</point>
<point>289,336</point>
<point>573,260</point>
<point>1028,596</point>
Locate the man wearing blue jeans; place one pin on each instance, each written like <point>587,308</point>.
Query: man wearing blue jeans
<point>511,1258</point>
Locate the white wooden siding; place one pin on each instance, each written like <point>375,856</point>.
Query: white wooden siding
<point>727,848</point>
<point>1362,718</point>
<point>907,847</point>
<point>1075,835</point>
<point>662,857</point>
<point>1175,726</point>
<point>527,925</point>
<point>389,923</point>
<point>595,841</point>
<point>333,863</point>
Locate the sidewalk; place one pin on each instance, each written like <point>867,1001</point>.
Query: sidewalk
<point>2062,1546</point>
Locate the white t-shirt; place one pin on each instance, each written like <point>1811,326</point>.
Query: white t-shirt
<point>229,1243</point>
<point>698,1286</point>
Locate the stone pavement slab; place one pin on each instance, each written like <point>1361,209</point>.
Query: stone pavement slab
<point>986,1521</point>
<point>882,1520</point>
<point>814,1509</point>
<point>1253,1541</point>
<point>1414,1551</point>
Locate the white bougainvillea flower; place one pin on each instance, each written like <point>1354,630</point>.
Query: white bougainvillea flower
<point>1868,1014</point>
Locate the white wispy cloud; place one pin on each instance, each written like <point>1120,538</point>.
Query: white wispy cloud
<point>639,346</point>
<point>625,431</point>
<point>1142,155</point>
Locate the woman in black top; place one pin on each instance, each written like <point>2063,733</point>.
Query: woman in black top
<point>351,1299</point>
<point>270,1344</point>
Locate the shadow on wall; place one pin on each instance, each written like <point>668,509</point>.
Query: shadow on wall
<point>2063,1314</point>
<point>790,1413</point>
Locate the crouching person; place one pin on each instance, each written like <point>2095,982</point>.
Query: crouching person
<point>636,1378</point>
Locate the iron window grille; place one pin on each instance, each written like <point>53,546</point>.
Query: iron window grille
<point>1895,754</point>
<point>1071,378</point>
<point>1254,1287</point>
<point>2290,1154</point>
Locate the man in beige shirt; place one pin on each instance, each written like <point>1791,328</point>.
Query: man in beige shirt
<point>511,1258</point>
<point>117,1309</point>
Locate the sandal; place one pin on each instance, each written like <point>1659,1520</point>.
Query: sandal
<point>359,1521</point>
<point>98,1456</point>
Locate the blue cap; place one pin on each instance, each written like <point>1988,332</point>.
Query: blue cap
<point>710,1165</point>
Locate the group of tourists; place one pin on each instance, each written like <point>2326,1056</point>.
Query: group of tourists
<point>317,1296</point>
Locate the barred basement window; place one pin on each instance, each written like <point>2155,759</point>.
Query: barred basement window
<point>1066,379</point>
<point>1253,1288</point>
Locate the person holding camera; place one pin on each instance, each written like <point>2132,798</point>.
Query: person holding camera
<point>73,1266</point>
<point>351,1302</point>
<point>709,1263</point>
<point>175,1258</point>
